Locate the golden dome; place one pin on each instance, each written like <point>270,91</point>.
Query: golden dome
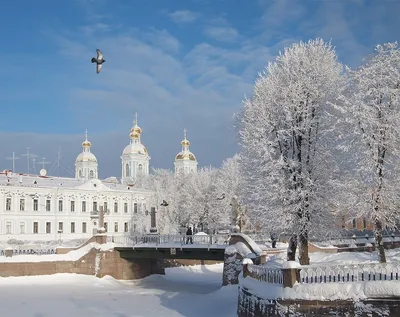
<point>185,156</point>
<point>86,143</point>
<point>136,129</point>
<point>134,135</point>
<point>185,142</point>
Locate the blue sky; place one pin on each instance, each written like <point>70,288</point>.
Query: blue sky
<point>179,64</point>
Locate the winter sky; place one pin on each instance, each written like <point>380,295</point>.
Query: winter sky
<point>178,63</point>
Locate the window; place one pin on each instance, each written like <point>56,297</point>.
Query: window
<point>125,207</point>
<point>80,173</point>
<point>35,227</point>
<point>106,226</point>
<point>91,174</point>
<point>115,226</point>
<point>95,206</point>
<point>35,205</point>
<point>140,167</point>
<point>22,204</point>
<point>61,226</point>
<point>354,223</point>
<point>364,223</point>
<point>84,227</point>
<point>115,207</point>
<point>22,227</point>
<point>8,204</point>
<point>134,227</point>
<point>105,206</point>
<point>48,227</point>
<point>72,227</point>
<point>48,204</point>
<point>60,205</point>
<point>72,206</point>
<point>125,227</point>
<point>127,174</point>
<point>8,227</point>
<point>135,208</point>
<point>83,206</point>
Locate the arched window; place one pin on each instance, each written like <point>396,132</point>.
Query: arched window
<point>127,173</point>
<point>91,174</point>
<point>140,167</point>
<point>80,173</point>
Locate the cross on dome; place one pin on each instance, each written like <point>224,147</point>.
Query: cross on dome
<point>185,143</point>
<point>135,130</point>
<point>86,143</point>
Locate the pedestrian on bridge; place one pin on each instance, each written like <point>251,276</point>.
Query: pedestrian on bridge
<point>189,234</point>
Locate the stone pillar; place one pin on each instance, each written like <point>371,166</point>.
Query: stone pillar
<point>9,252</point>
<point>245,270</point>
<point>290,276</point>
<point>153,224</point>
<point>101,217</point>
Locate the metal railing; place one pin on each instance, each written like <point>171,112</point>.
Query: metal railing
<point>160,240</point>
<point>350,273</point>
<point>266,274</point>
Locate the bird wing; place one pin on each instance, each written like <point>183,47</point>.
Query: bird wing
<point>98,68</point>
<point>99,54</point>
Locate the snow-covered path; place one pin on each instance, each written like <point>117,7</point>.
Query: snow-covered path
<point>191,291</point>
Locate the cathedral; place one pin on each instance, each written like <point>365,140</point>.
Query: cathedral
<point>42,207</point>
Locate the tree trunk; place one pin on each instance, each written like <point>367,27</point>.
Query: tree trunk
<point>303,248</point>
<point>379,241</point>
<point>291,251</point>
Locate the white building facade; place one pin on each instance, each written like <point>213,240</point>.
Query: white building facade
<point>45,208</point>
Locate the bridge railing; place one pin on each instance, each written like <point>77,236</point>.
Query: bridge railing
<point>159,240</point>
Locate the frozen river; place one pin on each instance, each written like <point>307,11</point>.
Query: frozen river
<point>191,291</point>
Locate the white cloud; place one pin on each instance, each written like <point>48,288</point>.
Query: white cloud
<point>183,16</point>
<point>222,33</point>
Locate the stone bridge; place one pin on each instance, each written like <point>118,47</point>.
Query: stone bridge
<point>197,247</point>
<point>227,248</point>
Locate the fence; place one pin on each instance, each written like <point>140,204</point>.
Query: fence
<point>350,273</point>
<point>159,240</point>
<point>308,274</point>
<point>29,252</point>
<point>265,274</point>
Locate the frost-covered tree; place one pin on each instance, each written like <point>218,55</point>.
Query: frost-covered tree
<point>162,184</point>
<point>229,184</point>
<point>372,105</point>
<point>202,203</point>
<point>286,139</point>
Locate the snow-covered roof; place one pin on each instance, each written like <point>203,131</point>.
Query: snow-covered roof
<point>37,181</point>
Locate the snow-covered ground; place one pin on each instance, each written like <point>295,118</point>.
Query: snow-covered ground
<point>185,291</point>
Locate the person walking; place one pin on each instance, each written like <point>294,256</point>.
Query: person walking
<point>189,234</point>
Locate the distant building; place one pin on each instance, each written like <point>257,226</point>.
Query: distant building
<point>185,161</point>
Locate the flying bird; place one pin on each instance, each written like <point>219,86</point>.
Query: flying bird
<point>221,197</point>
<point>99,60</point>
<point>164,203</point>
